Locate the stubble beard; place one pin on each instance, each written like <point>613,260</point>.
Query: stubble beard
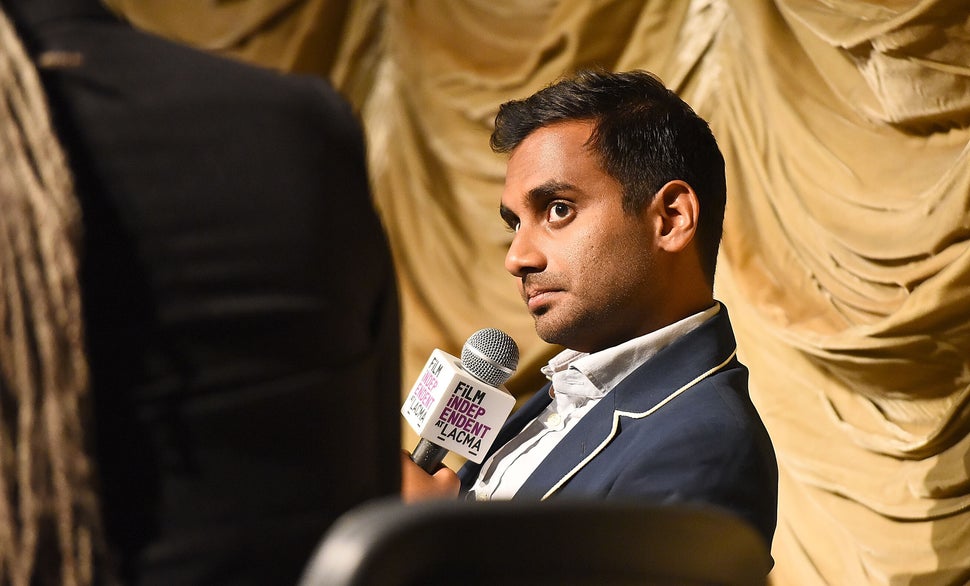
<point>564,326</point>
<point>588,327</point>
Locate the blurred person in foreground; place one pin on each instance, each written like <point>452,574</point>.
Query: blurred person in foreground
<point>199,310</point>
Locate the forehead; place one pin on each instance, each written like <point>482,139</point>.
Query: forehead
<point>557,153</point>
<point>557,156</point>
<point>552,150</point>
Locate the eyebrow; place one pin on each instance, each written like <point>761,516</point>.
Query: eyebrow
<point>535,196</point>
<point>549,189</point>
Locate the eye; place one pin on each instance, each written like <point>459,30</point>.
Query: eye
<point>559,211</point>
<point>512,221</point>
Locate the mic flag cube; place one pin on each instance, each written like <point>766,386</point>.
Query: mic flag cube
<point>451,408</point>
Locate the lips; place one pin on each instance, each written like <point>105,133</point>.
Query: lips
<point>536,299</point>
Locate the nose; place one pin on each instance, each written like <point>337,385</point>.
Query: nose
<point>524,255</point>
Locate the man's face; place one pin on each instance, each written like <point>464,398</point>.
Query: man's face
<point>586,268</point>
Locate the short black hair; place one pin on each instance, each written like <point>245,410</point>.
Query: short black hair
<point>644,134</point>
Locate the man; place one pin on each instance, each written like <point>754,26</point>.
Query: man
<point>615,192</point>
<point>239,303</point>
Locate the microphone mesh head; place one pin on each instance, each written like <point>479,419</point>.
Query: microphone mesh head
<point>491,356</point>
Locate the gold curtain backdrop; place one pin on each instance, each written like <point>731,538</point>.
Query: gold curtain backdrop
<point>845,261</point>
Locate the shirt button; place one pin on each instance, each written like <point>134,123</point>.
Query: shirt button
<point>554,420</point>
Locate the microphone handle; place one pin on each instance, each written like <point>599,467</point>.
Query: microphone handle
<point>428,455</point>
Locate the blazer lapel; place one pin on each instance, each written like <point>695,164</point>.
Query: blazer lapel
<point>517,422</point>
<point>669,373</point>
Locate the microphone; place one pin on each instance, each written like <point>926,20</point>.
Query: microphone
<point>459,405</point>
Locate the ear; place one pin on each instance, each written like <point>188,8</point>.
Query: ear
<point>678,211</point>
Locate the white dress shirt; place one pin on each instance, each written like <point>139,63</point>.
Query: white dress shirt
<point>579,381</point>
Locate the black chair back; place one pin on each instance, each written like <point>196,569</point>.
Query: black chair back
<point>562,543</point>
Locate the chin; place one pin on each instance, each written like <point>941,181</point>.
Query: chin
<point>559,334</point>
<point>549,335</point>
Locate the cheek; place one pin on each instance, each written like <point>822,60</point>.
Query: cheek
<point>594,262</point>
<point>584,254</point>
<point>602,256</point>
<point>618,260</point>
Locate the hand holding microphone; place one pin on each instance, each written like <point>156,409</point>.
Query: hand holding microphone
<point>459,405</point>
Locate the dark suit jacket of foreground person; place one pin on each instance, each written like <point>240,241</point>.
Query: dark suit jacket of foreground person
<point>240,305</point>
<point>680,428</point>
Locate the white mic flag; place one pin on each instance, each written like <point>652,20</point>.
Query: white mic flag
<point>459,405</point>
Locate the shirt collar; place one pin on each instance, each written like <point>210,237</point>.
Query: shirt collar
<point>606,368</point>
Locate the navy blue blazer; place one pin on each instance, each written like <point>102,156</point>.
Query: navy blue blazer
<point>680,428</point>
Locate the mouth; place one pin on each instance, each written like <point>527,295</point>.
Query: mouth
<point>538,300</point>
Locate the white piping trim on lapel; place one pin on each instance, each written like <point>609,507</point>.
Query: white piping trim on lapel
<point>616,422</point>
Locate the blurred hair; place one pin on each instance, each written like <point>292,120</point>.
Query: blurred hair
<point>50,527</point>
